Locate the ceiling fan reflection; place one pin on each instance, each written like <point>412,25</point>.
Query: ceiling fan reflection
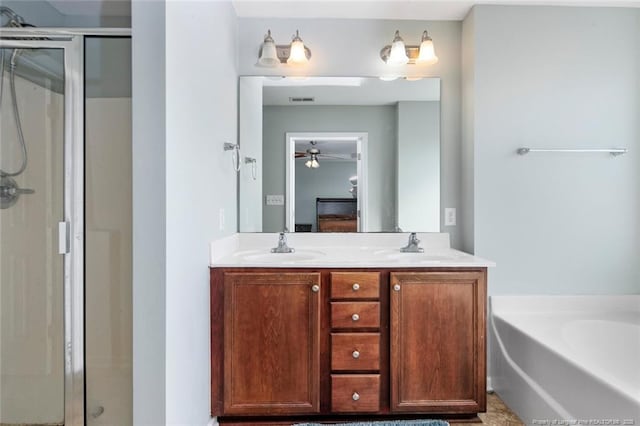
<point>314,155</point>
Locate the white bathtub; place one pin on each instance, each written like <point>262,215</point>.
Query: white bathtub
<point>567,359</point>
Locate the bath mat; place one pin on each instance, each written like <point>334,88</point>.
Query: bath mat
<point>384,423</point>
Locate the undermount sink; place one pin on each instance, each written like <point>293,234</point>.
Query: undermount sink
<point>419,258</point>
<point>268,257</point>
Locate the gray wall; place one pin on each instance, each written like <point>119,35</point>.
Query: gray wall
<point>364,39</point>
<point>330,180</point>
<point>418,166</point>
<point>149,212</point>
<point>467,154</point>
<point>201,186</point>
<point>557,77</point>
<point>182,180</point>
<point>378,121</point>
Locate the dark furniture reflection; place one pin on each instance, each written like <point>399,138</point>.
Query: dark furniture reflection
<point>337,214</point>
<point>303,227</point>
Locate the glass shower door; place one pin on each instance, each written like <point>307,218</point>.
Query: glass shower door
<point>32,203</point>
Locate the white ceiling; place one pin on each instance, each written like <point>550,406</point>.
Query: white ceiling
<point>391,9</point>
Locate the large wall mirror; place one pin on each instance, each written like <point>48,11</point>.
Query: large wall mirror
<point>339,154</point>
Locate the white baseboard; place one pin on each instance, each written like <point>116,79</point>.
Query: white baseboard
<point>489,385</point>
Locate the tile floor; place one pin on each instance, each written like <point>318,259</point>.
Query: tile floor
<point>497,414</point>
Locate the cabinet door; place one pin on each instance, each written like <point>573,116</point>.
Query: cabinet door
<point>438,342</point>
<point>271,343</point>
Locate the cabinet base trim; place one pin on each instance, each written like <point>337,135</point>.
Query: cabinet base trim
<point>291,420</point>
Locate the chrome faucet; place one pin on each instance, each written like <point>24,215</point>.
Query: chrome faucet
<point>413,245</point>
<point>282,245</point>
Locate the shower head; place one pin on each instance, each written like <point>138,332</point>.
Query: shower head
<point>15,20</point>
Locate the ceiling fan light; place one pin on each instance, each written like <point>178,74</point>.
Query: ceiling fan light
<point>315,164</point>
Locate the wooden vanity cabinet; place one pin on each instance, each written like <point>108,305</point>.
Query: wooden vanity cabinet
<point>387,343</point>
<point>438,342</point>
<point>271,343</point>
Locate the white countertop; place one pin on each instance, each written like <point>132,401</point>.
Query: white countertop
<point>339,250</point>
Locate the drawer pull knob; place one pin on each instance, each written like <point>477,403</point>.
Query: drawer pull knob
<point>315,288</point>
<point>355,286</point>
<point>355,354</point>
<point>396,287</point>
<point>355,396</point>
<point>355,317</point>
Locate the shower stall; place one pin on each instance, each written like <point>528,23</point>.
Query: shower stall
<point>65,225</point>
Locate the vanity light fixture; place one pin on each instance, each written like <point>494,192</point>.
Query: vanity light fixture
<point>272,54</point>
<point>397,53</point>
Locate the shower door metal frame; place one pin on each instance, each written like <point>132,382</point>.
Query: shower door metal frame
<point>73,187</point>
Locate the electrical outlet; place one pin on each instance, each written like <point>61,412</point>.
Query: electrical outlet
<point>450,216</point>
<point>221,219</point>
<point>275,200</point>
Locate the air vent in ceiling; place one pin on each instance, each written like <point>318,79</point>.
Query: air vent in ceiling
<point>293,100</point>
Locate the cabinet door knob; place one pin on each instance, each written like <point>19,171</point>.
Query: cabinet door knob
<point>355,396</point>
<point>355,317</point>
<point>396,287</point>
<point>355,354</point>
<point>355,286</point>
<point>315,288</point>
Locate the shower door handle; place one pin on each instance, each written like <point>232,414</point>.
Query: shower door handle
<point>63,237</point>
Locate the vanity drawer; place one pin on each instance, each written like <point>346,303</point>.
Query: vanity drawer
<point>355,351</point>
<point>355,314</point>
<point>355,393</point>
<point>355,285</point>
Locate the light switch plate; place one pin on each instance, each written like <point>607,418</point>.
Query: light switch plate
<point>450,216</point>
<point>275,200</point>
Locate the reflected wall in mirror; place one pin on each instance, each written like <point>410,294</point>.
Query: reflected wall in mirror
<point>339,154</point>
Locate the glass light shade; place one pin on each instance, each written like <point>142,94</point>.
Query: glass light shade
<point>297,54</point>
<point>398,53</point>
<point>312,163</point>
<point>269,55</point>
<point>427,55</point>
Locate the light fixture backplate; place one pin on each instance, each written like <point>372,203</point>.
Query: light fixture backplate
<point>284,51</point>
<point>412,53</point>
